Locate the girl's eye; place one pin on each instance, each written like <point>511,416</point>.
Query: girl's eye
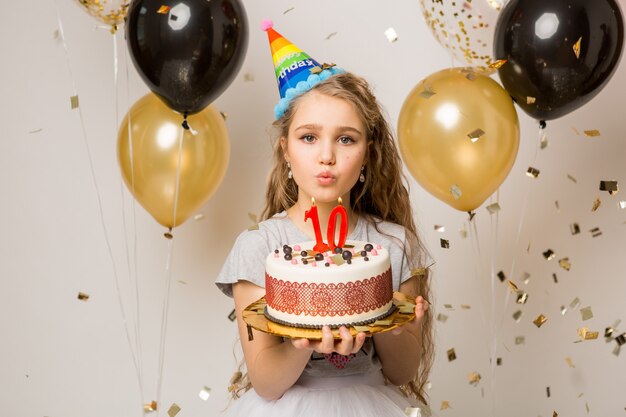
<point>308,138</point>
<point>346,140</point>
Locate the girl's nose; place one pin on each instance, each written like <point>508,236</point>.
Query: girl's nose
<point>326,153</point>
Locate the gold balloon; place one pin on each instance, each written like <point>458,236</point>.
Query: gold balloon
<point>458,133</point>
<point>109,12</point>
<point>152,177</point>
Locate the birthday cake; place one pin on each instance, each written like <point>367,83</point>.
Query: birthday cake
<point>347,286</point>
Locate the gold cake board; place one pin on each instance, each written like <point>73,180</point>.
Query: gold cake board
<point>254,316</point>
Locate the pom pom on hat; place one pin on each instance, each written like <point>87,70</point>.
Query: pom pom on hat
<point>266,25</point>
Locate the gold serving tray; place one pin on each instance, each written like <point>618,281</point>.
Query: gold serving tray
<point>255,318</point>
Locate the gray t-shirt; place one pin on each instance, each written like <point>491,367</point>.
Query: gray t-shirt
<point>246,261</point>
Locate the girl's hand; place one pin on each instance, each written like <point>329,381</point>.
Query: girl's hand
<point>421,305</point>
<point>344,346</point>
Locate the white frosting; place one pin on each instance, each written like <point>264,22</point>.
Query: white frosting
<point>360,275</point>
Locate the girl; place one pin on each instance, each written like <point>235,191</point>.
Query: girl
<point>333,141</point>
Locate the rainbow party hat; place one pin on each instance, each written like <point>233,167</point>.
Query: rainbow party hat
<point>296,71</point>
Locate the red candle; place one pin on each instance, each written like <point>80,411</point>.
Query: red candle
<point>339,210</point>
<point>311,213</point>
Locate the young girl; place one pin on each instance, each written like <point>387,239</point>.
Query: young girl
<point>333,141</point>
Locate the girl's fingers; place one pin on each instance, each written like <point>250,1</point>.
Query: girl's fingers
<point>328,340</point>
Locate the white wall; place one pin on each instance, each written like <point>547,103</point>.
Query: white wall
<point>63,357</point>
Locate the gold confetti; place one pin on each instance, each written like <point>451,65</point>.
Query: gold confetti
<point>35,130</point>
<point>463,232</point>
<point>585,334</point>
<point>576,47</point>
<point>174,409</point>
<point>540,320</point>
<point>442,317</point>
<point>622,204</point>
<point>326,66</point>
<point>448,307</point>
<point>556,281</point>
<point>205,393</point>
<point>517,316</point>
<point>574,228</point>
<point>439,228</point>
<point>82,296</point>
<point>445,243</point>
<point>497,64</point>
<point>74,102</point>
<point>475,134</point>
<point>556,204</point>
<point>232,316</point>
<point>532,172</point>
<point>543,141</point>
<point>522,297</point>
<point>608,333</point>
<point>382,323</point>
<point>428,91</point>
<point>288,10</point>
<point>474,378</point>
<point>595,232</point>
<point>565,264</point>
<point>499,361</point>
<point>549,255</point>
<point>501,276</point>
<point>548,391</point>
<point>526,278</point>
<point>569,362</point>
<point>592,133</point>
<point>520,340</point>
<point>571,178</point>
<point>224,115</point>
<point>455,191</point>
<point>451,355</point>
<point>586,313</point>
<point>418,272</point>
<point>198,216</point>
<point>163,9</point>
<point>445,405</point>
<point>361,329</point>
<point>248,77</point>
<point>150,407</point>
<point>466,307</point>
<point>330,35</point>
<point>575,303</point>
<point>512,286</point>
<point>530,100</point>
<point>555,414</point>
<point>563,310</point>
<point>493,208</point>
<point>391,35</point>
<point>610,186</point>
<point>621,339</point>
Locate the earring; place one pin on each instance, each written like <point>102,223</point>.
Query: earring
<point>362,176</point>
<point>289,174</point>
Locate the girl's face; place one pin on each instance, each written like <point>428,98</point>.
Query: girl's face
<point>326,146</point>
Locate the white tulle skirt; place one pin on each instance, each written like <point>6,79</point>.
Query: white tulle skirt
<point>349,396</point>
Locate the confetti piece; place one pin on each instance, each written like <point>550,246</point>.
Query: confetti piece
<point>493,208</point>
<point>563,310</point>
<point>337,259</point>
<point>451,355</point>
<point>205,393</point>
<point>532,172</point>
<point>173,410</point>
<point>526,278</point>
<point>610,186</point>
<point>517,316</point>
<point>474,135</point>
<point>474,378</point>
<point>556,204</point>
<point>522,297</point>
<point>455,191</point>
<point>576,47</point>
<point>549,254</point>
<point>439,228</point>
<point>382,323</point>
<point>520,340</point>
<point>448,306</point>
<point>499,361</point>
<point>548,391</point>
<point>74,102</point>
<point>82,296</point>
<point>592,133</point>
<point>497,64</point>
<point>574,228</point>
<point>444,405</point>
<point>330,35</point>
<point>512,286</point>
<point>565,264</point>
<point>150,407</point>
<point>288,10</point>
<point>621,339</point>
<point>585,334</point>
<point>35,131</point>
<point>163,9</point>
<point>428,92</point>
<point>224,115</point>
<point>530,100</point>
<point>182,282</point>
<point>622,204</point>
<point>463,232</point>
<point>608,333</point>
<point>501,276</point>
<point>595,232</point>
<point>391,35</point>
<point>555,414</point>
<point>540,320</point>
<point>543,141</point>
<point>418,271</point>
<point>442,318</point>
<point>198,216</point>
<point>248,77</point>
<point>466,307</point>
<point>556,281</point>
<point>232,316</point>
<point>444,243</point>
<point>361,329</point>
<point>569,362</point>
<point>571,178</point>
<point>596,204</point>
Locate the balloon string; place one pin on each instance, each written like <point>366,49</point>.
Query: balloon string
<point>95,183</point>
<point>180,160</point>
<point>164,316</point>
<point>495,222</point>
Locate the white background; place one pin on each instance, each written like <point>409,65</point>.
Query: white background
<point>61,357</point>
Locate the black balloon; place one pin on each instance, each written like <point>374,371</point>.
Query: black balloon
<point>539,39</point>
<point>187,52</point>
